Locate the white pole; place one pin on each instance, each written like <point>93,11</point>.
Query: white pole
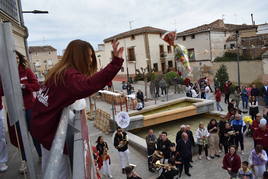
<point>12,90</point>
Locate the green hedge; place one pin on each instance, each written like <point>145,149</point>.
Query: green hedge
<point>230,56</point>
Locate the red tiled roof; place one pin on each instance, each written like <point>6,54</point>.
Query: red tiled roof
<point>217,25</point>
<point>46,48</point>
<point>142,30</point>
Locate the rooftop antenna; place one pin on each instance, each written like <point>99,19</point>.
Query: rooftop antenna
<point>253,22</point>
<point>175,25</point>
<point>235,15</point>
<point>222,17</point>
<point>44,40</point>
<point>130,24</point>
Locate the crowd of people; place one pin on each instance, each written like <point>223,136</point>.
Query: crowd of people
<point>78,78</point>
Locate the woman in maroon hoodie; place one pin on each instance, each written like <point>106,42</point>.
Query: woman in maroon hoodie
<point>71,79</point>
<point>232,162</point>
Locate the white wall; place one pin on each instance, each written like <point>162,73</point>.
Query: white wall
<point>218,40</point>
<point>100,56</point>
<point>138,44</point>
<point>200,44</point>
<point>154,42</point>
<point>41,57</point>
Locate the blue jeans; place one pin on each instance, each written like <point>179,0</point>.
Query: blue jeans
<point>219,108</point>
<point>245,102</point>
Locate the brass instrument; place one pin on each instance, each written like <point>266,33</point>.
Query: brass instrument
<point>168,167</point>
<point>157,155</point>
<point>231,133</point>
<point>122,143</point>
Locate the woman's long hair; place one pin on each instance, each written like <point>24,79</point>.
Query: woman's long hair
<point>79,55</point>
<point>22,60</point>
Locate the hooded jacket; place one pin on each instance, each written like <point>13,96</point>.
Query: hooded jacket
<point>52,99</point>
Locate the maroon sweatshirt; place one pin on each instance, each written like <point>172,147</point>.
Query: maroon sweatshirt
<point>52,99</point>
<point>28,78</point>
<point>232,161</point>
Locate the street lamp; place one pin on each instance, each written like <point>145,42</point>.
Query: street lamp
<point>36,12</point>
<point>237,58</point>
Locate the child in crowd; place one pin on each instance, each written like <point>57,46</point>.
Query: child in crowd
<point>245,172</point>
<point>106,163</point>
<point>253,107</point>
<point>218,99</point>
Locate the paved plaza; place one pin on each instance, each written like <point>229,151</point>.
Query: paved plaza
<point>202,169</point>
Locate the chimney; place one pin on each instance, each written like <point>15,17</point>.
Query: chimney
<point>253,22</point>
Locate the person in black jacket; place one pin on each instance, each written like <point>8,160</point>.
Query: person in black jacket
<point>176,157</point>
<point>101,145</point>
<point>164,146</point>
<point>231,106</point>
<point>255,91</point>
<point>121,144</point>
<point>129,88</point>
<point>228,136</point>
<point>184,147</point>
<point>190,134</point>
<point>178,136</point>
<point>140,96</point>
<point>151,146</point>
<point>191,138</point>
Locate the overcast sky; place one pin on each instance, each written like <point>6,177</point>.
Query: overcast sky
<point>95,20</point>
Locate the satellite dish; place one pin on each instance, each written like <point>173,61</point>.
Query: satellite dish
<point>122,119</point>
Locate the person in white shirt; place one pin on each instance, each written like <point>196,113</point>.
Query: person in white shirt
<point>194,93</point>
<point>257,160</point>
<point>188,90</point>
<point>207,92</point>
<point>202,135</point>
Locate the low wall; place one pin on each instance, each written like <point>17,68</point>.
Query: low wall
<point>140,144</point>
<point>199,106</point>
<point>249,70</point>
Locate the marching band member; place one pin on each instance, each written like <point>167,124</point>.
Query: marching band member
<point>121,144</point>
<point>164,146</point>
<point>130,173</point>
<point>151,146</point>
